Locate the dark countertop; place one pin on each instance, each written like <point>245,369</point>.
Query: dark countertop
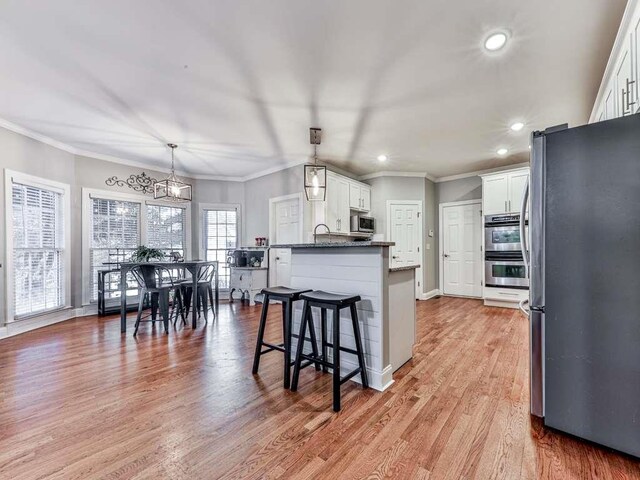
<point>335,244</point>
<point>403,268</point>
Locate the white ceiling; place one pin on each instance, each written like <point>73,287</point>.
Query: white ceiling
<point>237,84</point>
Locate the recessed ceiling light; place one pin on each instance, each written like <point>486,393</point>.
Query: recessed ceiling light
<point>382,158</point>
<point>502,151</point>
<point>516,127</point>
<point>495,41</point>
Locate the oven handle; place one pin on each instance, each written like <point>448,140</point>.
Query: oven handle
<point>523,233</point>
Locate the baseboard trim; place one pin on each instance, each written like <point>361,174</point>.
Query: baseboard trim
<point>378,380</point>
<point>22,326</point>
<point>433,293</point>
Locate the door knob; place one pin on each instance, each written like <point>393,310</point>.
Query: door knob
<point>277,258</point>
<point>445,255</point>
<point>395,257</point>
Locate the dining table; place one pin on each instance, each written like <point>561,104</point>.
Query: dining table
<point>191,266</point>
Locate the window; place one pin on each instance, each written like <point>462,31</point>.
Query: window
<point>36,249</point>
<point>114,235</point>
<point>220,234</point>
<point>114,224</point>
<point>166,228</point>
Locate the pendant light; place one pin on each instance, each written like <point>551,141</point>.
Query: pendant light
<point>315,176</point>
<point>172,188</point>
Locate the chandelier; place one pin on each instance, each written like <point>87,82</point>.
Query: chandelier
<point>172,188</point>
<point>315,176</point>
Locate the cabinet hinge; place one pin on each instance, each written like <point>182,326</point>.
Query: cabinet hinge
<point>418,248</point>
<point>418,282</point>
<point>418,214</point>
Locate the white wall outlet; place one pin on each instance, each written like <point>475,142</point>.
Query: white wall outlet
<point>428,246</point>
<point>430,233</point>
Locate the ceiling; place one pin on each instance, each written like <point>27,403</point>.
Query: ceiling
<point>237,84</point>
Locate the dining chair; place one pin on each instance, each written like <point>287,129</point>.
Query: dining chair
<point>157,284</point>
<point>206,275</point>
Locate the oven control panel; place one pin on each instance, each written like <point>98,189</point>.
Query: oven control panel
<point>492,220</point>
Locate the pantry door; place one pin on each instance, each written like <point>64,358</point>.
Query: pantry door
<point>461,249</point>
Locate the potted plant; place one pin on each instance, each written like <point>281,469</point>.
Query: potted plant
<point>146,254</point>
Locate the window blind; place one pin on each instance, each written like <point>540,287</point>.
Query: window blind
<point>166,228</point>
<point>221,234</point>
<point>38,250</point>
<point>115,234</point>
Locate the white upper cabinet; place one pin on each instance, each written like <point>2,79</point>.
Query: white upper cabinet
<point>618,94</point>
<point>495,193</point>
<point>365,193</point>
<point>343,195</point>
<point>517,184</point>
<point>502,192</point>
<point>359,196</point>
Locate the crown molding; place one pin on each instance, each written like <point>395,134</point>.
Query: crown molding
<point>481,172</point>
<point>223,178</point>
<point>393,173</point>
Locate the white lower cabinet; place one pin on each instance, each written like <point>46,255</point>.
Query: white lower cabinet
<point>504,297</point>
<point>248,281</point>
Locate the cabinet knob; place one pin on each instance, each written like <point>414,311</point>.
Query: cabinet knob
<point>445,255</point>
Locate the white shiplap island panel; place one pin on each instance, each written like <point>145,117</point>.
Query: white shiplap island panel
<point>386,312</point>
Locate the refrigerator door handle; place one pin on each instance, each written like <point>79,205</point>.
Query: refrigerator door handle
<point>523,231</point>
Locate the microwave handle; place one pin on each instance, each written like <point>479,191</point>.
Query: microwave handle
<point>523,231</point>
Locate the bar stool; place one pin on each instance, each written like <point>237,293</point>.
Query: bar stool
<point>287,296</point>
<point>334,302</point>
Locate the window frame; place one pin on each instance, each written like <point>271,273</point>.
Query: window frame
<point>64,189</point>
<point>88,194</point>
<point>202,209</point>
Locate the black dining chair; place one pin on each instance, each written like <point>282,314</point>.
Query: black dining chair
<point>206,276</point>
<point>156,286</point>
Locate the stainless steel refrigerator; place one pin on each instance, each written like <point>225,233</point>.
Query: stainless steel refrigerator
<point>584,266</point>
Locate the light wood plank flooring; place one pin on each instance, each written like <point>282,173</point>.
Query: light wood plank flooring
<point>78,400</point>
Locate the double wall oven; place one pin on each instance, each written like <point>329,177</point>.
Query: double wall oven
<point>504,266</point>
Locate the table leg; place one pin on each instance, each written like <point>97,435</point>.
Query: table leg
<point>123,300</point>
<point>194,299</point>
<point>217,289</point>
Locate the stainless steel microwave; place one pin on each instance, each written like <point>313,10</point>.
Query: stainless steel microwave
<point>363,224</point>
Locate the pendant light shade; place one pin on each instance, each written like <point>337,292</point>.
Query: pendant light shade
<point>315,182</point>
<point>315,176</point>
<point>172,188</point>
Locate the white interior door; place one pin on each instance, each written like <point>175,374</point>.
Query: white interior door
<point>405,229</point>
<point>286,216</point>
<point>282,267</point>
<point>461,250</point>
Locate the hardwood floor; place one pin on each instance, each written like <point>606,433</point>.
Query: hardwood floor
<point>78,400</point>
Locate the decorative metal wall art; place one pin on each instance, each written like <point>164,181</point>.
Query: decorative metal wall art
<point>140,183</point>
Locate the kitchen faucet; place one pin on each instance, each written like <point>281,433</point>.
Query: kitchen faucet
<point>316,228</point>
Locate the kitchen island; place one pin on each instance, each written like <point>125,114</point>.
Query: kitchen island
<point>387,309</point>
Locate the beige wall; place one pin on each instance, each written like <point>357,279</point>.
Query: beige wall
<point>30,156</point>
<point>409,188</point>
<point>469,188</point>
